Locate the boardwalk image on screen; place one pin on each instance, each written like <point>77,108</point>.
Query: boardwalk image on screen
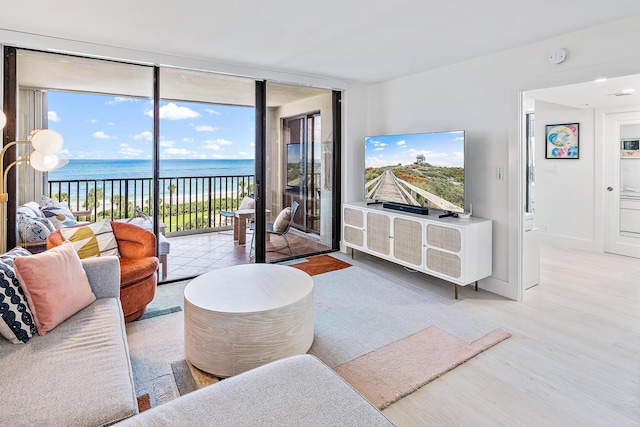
<point>422,169</point>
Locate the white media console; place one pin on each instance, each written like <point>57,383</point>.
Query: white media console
<point>454,249</point>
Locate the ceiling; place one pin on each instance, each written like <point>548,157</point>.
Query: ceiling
<point>613,92</point>
<point>352,40</point>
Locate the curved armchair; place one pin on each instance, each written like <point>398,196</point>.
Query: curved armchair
<point>138,266</point>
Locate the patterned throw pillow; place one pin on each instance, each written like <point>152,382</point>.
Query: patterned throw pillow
<point>17,323</point>
<point>47,201</point>
<point>93,240</point>
<point>281,222</point>
<point>33,229</point>
<point>59,214</point>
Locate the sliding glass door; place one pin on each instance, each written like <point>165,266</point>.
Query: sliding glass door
<point>299,151</point>
<point>207,168</point>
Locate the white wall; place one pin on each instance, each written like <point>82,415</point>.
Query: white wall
<point>483,97</point>
<point>565,203</point>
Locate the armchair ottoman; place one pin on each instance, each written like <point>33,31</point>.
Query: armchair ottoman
<point>138,266</point>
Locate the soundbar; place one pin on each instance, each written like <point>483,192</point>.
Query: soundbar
<point>421,210</point>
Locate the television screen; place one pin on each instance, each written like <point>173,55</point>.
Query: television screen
<point>422,169</point>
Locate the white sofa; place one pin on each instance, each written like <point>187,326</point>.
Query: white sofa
<point>297,391</point>
<point>79,373</point>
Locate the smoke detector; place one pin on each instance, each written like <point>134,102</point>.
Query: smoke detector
<point>558,56</point>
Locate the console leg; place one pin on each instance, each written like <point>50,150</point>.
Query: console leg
<point>476,286</point>
<point>456,290</point>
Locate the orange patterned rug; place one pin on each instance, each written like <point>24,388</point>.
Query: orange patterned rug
<point>320,264</point>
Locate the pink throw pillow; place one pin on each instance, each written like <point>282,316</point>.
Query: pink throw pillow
<point>55,284</point>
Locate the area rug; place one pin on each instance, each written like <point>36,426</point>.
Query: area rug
<point>398,369</point>
<point>387,337</point>
<point>384,336</point>
<point>320,264</point>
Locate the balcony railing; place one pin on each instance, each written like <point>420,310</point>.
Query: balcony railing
<point>186,204</point>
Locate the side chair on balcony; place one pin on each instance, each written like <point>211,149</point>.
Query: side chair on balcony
<point>281,226</point>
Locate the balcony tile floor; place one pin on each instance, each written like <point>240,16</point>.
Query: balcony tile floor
<point>196,254</point>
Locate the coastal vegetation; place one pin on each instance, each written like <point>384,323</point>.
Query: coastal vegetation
<point>445,182</point>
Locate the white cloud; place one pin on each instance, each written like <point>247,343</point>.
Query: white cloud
<point>167,143</point>
<point>172,111</point>
<point>403,142</point>
<point>219,141</point>
<point>187,139</point>
<point>213,112</point>
<point>93,121</point>
<point>206,128</point>
<point>243,153</point>
<point>375,162</point>
<point>121,99</point>
<point>127,151</point>
<point>212,146</point>
<point>179,152</point>
<point>101,135</point>
<point>144,136</point>
<point>53,116</point>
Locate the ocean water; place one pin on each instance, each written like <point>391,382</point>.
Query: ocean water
<point>120,169</point>
<point>89,170</point>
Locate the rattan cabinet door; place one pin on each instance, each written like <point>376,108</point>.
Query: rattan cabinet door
<point>379,233</point>
<point>353,231</point>
<point>407,241</point>
<point>444,252</point>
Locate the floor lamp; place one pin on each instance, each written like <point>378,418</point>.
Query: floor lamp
<point>46,144</point>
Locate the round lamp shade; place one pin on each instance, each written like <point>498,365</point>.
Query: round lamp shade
<point>46,141</point>
<point>43,162</point>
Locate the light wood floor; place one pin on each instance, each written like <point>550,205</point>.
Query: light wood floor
<point>573,359</point>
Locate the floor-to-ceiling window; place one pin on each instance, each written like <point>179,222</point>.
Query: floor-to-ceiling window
<point>207,167</point>
<point>181,146</point>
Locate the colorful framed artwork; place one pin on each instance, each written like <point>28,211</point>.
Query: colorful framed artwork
<point>563,141</point>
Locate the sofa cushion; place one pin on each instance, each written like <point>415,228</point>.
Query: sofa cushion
<point>92,240</point>
<point>55,285</point>
<point>79,374</point>
<point>296,391</point>
<point>17,324</point>
<point>33,229</point>
<point>59,214</point>
<point>281,222</point>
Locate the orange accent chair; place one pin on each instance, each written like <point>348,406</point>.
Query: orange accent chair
<point>138,266</point>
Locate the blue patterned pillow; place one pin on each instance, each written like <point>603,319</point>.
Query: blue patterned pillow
<point>59,214</point>
<point>33,229</point>
<point>17,323</point>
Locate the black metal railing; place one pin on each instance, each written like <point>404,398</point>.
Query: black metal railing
<point>186,204</point>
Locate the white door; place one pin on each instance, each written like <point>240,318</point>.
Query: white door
<point>622,185</point>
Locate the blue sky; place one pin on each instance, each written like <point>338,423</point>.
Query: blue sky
<point>439,149</point>
<point>108,127</point>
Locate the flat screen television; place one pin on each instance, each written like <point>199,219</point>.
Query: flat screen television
<point>420,169</point>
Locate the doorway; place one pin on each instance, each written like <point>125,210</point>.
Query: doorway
<point>622,179</point>
<point>573,207</point>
